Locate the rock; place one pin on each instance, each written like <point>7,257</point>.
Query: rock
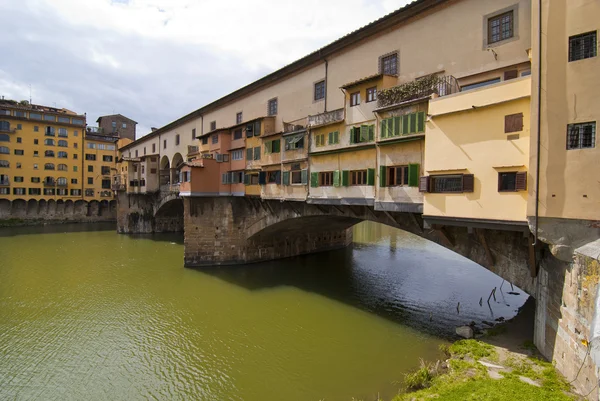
<point>465,331</point>
<point>487,323</point>
<point>529,381</point>
<point>500,319</point>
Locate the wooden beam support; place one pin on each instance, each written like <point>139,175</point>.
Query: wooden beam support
<point>533,268</point>
<point>488,253</point>
<point>391,218</point>
<point>416,223</point>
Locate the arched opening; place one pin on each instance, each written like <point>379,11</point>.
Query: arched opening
<point>169,217</point>
<point>32,207</point>
<point>165,171</point>
<point>19,207</point>
<point>176,165</point>
<point>4,207</point>
<point>69,207</point>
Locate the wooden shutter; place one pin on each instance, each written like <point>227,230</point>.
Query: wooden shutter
<point>262,177</point>
<point>405,125</point>
<point>397,126</point>
<point>257,153</point>
<point>468,183</point>
<point>278,177</point>
<point>424,184</point>
<point>286,178</point>
<point>421,121</point>
<point>512,74</point>
<point>314,180</point>
<point>371,176</point>
<point>345,178</point>
<point>364,133</point>
<point>336,178</point>
<point>413,123</point>
<point>413,175</point>
<point>382,176</point>
<point>513,123</point>
<point>384,124</point>
<point>304,177</point>
<point>330,137</point>
<point>521,181</point>
<point>351,134</point>
<point>257,128</point>
<point>249,153</point>
<point>276,145</point>
<point>336,136</point>
<point>371,132</point>
<point>268,147</point>
<point>246,179</point>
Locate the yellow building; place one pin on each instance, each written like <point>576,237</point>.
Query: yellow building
<point>40,152</point>
<point>99,164</point>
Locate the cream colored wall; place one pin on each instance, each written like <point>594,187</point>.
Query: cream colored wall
<point>363,112</point>
<point>400,154</point>
<point>268,159</point>
<point>475,142</point>
<point>569,180</point>
<point>295,191</point>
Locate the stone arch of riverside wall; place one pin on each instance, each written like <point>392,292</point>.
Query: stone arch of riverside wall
<point>149,213</point>
<point>20,211</point>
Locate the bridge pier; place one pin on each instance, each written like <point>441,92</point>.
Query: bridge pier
<point>149,213</point>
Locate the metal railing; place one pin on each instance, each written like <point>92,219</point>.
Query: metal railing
<point>419,88</point>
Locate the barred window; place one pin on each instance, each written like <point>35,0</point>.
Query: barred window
<point>582,46</point>
<point>446,183</point>
<point>319,90</point>
<point>500,27</point>
<point>581,136</point>
<point>272,107</point>
<point>388,64</point>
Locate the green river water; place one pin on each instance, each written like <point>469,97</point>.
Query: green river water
<point>87,314</point>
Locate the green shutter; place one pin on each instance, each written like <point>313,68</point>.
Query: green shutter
<point>304,177</point>
<point>371,176</point>
<point>246,179</point>
<point>413,123</point>
<point>364,133</point>
<point>257,128</point>
<point>421,121</point>
<point>405,124</point>
<point>314,180</point>
<point>352,135</point>
<point>397,126</point>
<point>413,175</point>
<point>384,124</point>
<point>336,178</point>
<point>276,146</point>
<point>336,137</point>
<point>249,153</point>
<point>371,132</point>
<point>330,137</point>
<point>400,123</point>
<point>382,176</point>
<point>286,178</point>
<point>268,147</point>
<point>345,178</point>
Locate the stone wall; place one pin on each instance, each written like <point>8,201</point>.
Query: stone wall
<point>21,212</point>
<point>565,304</point>
<point>148,213</point>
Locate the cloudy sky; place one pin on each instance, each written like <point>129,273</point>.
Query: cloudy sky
<point>157,60</point>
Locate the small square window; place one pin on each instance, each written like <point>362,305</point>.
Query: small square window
<point>272,107</point>
<point>35,141</point>
<point>124,125</point>
<point>581,136</point>
<point>90,181</point>
<point>176,142</point>
<point>19,126</point>
<point>512,181</point>
<point>36,128</point>
<point>90,169</point>
<point>582,46</point>
<point>354,99</point>
<point>500,27</point>
<point>371,94</point>
<point>215,138</point>
<point>319,90</point>
<point>388,64</point>
<point>18,165</point>
<point>238,118</point>
<point>19,140</point>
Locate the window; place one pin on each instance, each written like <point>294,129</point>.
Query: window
<point>90,181</point>
<point>253,180</point>
<point>500,27</point>
<point>257,153</point>
<point>90,192</point>
<point>35,191</point>
<point>124,125</point>
<point>36,128</point>
<point>74,156</point>
<point>294,142</point>
<point>4,191</point>
<point>35,142</point>
<point>164,144</point>
<point>238,134</point>
<point>19,139</point>
<point>479,84</point>
<point>73,180</point>
<point>64,120</point>
<point>49,153</point>
<point>136,153</point>
<point>358,177</point>
<point>581,136</point>
<point>4,179</point>
<point>249,154</point>
<point>77,122</point>
<point>326,178</point>
<point>75,133</point>
<point>35,116</point>
<point>106,184</point>
<point>453,183</point>
<point>354,99</point>
<point>90,169</point>
<point>18,191</point>
<point>35,180</point>
<point>35,166</point>
<point>75,169</point>
<point>19,179</point>
<point>513,123</point>
<point>512,181</point>
<point>213,125</point>
<point>90,145</point>
<point>49,118</point>
<point>153,149</point>
<point>62,143</point>
<point>333,138</point>
<point>364,133</point>
<point>238,118</point>
<point>19,152</point>
<point>114,125</point>
<point>215,138</point>
<point>274,177</point>
<point>272,107</point>
<point>388,64</point>
<point>319,90</point>
<point>18,165</point>
<point>76,192</point>
<point>511,74</point>
<point>272,146</point>
<point>397,176</point>
<point>177,140</point>
<point>19,127</point>
<point>4,163</point>
<point>320,140</point>
<point>62,167</point>
<point>205,140</point>
<point>62,191</point>
<point>50,131</point>
<point>107,159</point>
<point>4,150</point>
<point>21,114</point>
<point>49,142</point>
<point>4,126</point>
<point>297,176</point>
<point>582,46</point>
<point>237,155</point>
<point>62,132</point>
<point>61,181</point>
<point>48,166</point>
<point>371,94</point>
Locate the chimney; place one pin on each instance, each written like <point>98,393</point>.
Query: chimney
<point>153,129</point>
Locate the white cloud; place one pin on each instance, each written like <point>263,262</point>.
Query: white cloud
<point>156,60</point>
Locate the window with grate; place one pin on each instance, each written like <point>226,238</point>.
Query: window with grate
<point>213,125</point>
<point>582,46</point>
<point>581,136</point>
<point>513,123</point>
<point>319,90</point>
<point>354,99</point>
<point>238,118</point>
<point>215,138</point>
<point>272,107</point>
<point>388,64</point>
<point>500,27</point>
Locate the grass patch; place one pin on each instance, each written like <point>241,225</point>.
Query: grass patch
<point>496,330</point>
<point>423,377</point>
<point>473,348</point>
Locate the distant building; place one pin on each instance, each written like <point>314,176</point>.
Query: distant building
<point>117,125</point>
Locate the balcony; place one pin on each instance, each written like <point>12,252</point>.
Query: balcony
<point>118,187</point>
<point>106,194</point>
<point>326,118</point>
<point>48,183</point>
<point>192,150</point>
<point>165,188</point>
<point>95,130</point>
<point>295,126</point>
<point>417,89</point>
<point>4,183</point>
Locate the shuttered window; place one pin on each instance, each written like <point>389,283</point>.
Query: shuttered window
<point>512,181</point>
<point>513,123</point>
<point>333,137</point>
<point>364,133</point>
<point>272,146</point>
<point>249,154</point>
<point>358,177</point>
<point>257,153</point>
<point>325,178</point>
<point>408,124</point>
<point>452,183</point>
<point>512,74</point>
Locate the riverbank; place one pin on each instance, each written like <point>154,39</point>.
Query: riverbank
<point>16,222</point>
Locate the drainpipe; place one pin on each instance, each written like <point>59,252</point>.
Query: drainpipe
<point>326,83</point>
<point>539,123</point>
